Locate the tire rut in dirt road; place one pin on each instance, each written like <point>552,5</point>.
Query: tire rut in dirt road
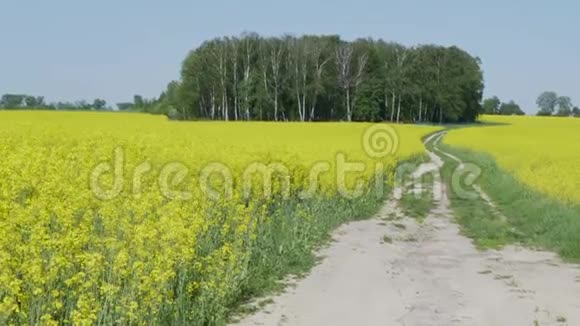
<point>393,270</point>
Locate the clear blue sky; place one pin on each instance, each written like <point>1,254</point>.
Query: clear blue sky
<point>70,50</point>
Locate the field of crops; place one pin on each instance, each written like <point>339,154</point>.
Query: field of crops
<point>126,218</point>
<point>543,152</point>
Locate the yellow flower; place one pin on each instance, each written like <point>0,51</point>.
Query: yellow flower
<point>106,218</point>
<point>541,151</point>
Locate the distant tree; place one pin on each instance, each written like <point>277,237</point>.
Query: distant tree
<point>81,105</point>
<point>576,111</point>
<point>491,105</point>
<point>138,101</point>
<point>547,102</point>
<point>564,106</point>
<point>12,101</point>
<point>124,106</point>
<point>99,104</point>
<point>34,101</point>
<point>50,106</point>
<point>170,104</point>
<point>27,102</point>
<point>510,108</point>
<point>64,106</point>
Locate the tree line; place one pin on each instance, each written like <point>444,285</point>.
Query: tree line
<point>309,78</point>
<point>494,105</point>
<point>30,102</point>
<point>322,78</point>
<point>549,103</point>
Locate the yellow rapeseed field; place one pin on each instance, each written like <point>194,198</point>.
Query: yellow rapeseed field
<point>543,152</point>
<point>111,218</point>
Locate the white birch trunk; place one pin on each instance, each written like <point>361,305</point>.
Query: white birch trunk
<point>348,112</point>
<point>399,110</point>
<point>393,104</point>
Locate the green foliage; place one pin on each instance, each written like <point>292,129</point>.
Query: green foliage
<point>510,108</point>
<point>34,101</point>
<point>12,101</point>
<point>417,203</point>
<point>531,217</point>
<point>286,245</point>
<point>491,105</point>
<point>125,106</point>
<point>564,106</point>
<point>325,78</point>
<point>29,102</point>
<point>99,104</point>
<point>547,103</point>
<point>138,101</point>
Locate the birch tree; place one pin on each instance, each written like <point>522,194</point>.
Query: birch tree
<point>234,50</point>
<point>324,78</point>
<point>249,42</point>
<point>318,63</point>
<point>350,73</point>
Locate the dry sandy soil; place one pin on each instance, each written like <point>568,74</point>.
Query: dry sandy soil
<point>396,271</point>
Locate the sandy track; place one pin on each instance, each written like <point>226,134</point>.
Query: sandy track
<point>425,274</point>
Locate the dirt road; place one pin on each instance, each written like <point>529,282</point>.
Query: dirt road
<point>387,271</point>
